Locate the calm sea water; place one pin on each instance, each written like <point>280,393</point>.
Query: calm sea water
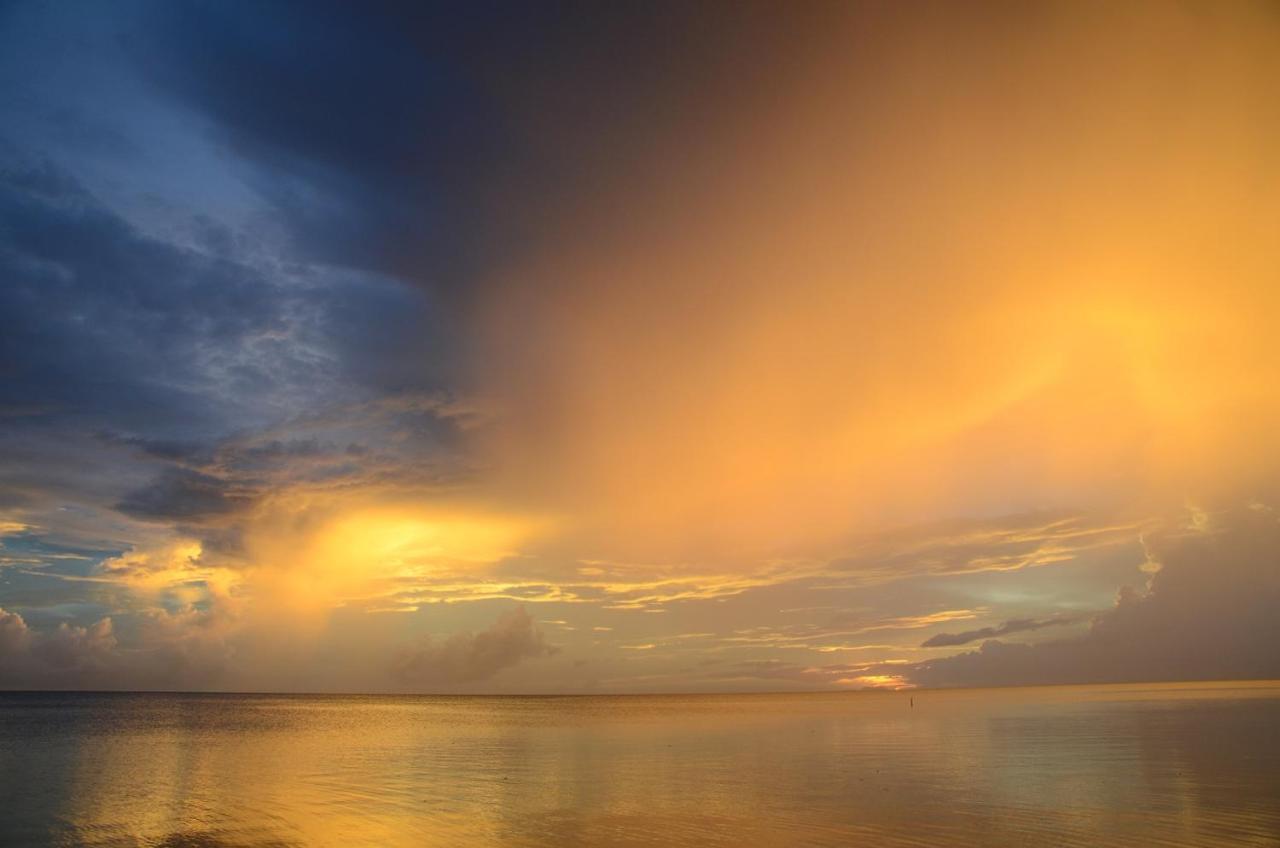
<point>1103,765</point>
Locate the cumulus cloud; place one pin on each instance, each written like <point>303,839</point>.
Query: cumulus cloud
<point>1208,613</point>
<point>80,649</point>
<point>187,648</point>
<point>197,647</point>
<point>468,657</point>
<point>68,655</point>
<point>14,634</point>
<point>190,647</point>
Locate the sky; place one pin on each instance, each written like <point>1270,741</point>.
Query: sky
<point>637,347</point>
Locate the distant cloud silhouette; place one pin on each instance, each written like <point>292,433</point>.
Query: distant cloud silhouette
<point>468,657</point>
<point>67,654</point>
<point>77,648</point>
<point>1013,625</point>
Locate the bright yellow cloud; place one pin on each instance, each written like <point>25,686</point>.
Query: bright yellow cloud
<point>9,528</point>
<point>309,557</point>
<point>177,568</point>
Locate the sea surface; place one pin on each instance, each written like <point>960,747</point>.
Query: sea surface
<point>1133,765</point>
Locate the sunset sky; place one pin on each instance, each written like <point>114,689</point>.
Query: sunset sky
<point>627,347</point>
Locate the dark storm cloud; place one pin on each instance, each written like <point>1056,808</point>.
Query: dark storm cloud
<point>175,450</point>
<point>1210,613</point>
<point>425,140</point>
<point>148,386</point>
<point>391,142</point>
<point>98,319</point>
<point>274,451</point>
<point>110,338</point>
<point>182,494</point>
<point>363,141</point>
<point>111,334</point>
<point>389,337</point>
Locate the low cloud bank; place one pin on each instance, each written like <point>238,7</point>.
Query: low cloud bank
<point>32,659</point>
<point>195,649</point>
<point>1211,611</point>
<point>468,657</point>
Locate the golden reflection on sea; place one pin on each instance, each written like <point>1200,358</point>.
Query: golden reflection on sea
<point>1187,764</point>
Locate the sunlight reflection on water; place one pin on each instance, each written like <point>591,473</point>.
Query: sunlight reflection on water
<point>1104,765</point>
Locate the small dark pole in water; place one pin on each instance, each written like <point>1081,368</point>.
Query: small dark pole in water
<point>913,702</point>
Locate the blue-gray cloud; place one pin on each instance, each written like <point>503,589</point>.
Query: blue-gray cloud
<point>101,321</point>
<point>182,494</point>
<point>1013,625</point>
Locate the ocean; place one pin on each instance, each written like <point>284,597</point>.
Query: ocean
<point>1133,765</point>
